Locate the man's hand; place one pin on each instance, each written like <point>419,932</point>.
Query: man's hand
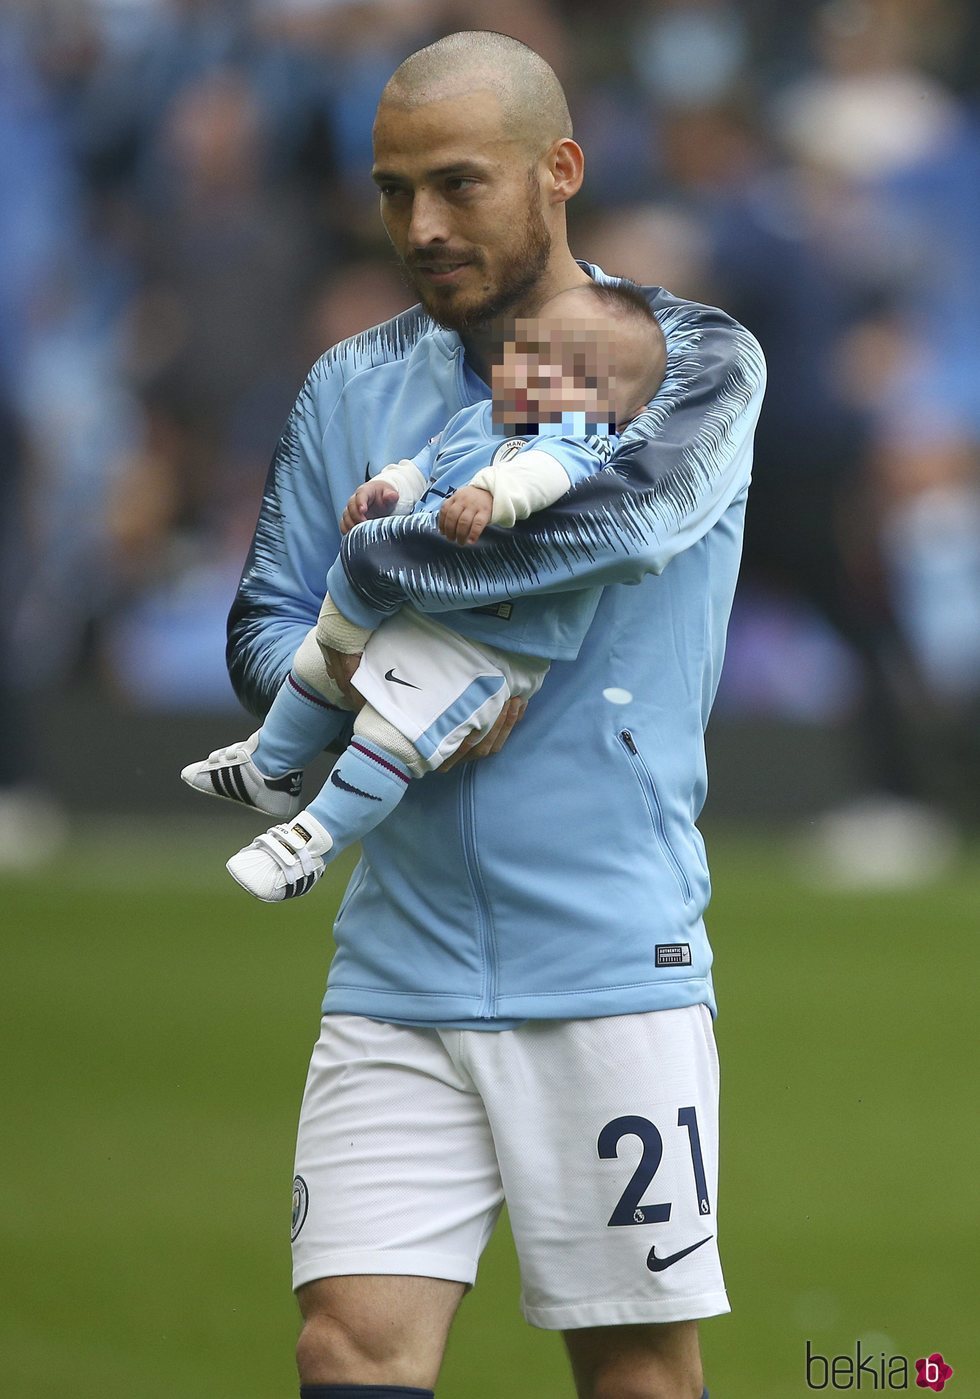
<point>484,745</point>
<point>341,643</point>
<point>341,666</point>
<point>466,514</point>
<point>372,501</point>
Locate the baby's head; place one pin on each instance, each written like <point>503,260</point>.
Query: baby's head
<point>595,349</point>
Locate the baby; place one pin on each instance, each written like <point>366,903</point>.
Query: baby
<point>563,386</point>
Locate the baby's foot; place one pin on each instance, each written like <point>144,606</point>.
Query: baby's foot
<point>231,773</point>
<point>284,862</point>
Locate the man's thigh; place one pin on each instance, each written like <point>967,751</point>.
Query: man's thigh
<point>396,1172</point>
<point>606,1133</point>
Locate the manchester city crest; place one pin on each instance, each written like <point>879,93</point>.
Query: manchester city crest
<point>301,1203</point>
<point>508,449</point>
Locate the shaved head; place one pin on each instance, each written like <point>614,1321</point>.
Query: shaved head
<point>474,162</point>
<point>532,104</point>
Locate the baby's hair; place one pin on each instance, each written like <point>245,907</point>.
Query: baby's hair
<point>624,296</point>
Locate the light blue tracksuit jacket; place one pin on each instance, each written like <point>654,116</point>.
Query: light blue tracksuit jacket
<point>564,877</point>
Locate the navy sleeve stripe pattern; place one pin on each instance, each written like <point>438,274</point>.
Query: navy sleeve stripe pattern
<point>670,458</point>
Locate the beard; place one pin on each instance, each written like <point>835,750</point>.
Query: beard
<point>520,271</point>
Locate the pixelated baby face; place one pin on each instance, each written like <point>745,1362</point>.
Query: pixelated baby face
<point>552,367</point>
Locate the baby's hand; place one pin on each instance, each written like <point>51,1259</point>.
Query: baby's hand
<point>372,501</point>
<point>466,514</point>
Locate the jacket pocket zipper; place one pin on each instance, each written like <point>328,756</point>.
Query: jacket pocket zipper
<point>474,873</point>
<point>652,800</point>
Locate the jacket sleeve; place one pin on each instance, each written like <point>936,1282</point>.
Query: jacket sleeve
<point>296,539</point>
<point>537,476</point>
<point>679,466</point>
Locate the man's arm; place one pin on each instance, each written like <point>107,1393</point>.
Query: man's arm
<point>680,465</point>
<point>297,536</point>
<point>296,539</point>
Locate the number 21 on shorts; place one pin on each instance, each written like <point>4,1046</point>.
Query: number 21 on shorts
<point>629,1209</point>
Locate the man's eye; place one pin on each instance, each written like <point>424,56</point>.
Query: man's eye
<point>390,191</point>
<point>461,183</point>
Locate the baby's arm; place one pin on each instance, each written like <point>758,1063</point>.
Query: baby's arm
<point>466,513</point>
<point>513,489</point>
<point>392,492</point>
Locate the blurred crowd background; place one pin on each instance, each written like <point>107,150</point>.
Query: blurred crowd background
<point>187,222</point>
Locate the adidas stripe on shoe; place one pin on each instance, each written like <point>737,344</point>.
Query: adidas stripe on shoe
<point>231,773</point>
<point>284,862</point>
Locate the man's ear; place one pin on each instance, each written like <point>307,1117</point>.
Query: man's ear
<point>566,169</point>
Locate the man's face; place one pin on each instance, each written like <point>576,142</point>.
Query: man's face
<point>462,206</point>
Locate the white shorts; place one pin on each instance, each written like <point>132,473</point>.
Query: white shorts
<point>601,1134</point>
<point>437,687</point>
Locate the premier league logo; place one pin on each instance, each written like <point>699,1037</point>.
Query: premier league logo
<point>301,1203</point>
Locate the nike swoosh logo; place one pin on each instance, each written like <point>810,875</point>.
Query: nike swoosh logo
<point>346,787</point>
<point>657,1265</point>
<point>390,675</point>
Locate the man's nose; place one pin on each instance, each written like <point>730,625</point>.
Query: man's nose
<point>428,222</point>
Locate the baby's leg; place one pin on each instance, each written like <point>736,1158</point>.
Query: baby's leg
<point>265,770</point>
<point>307,713</point>
<point>368,781</point>
<point>427,689</point>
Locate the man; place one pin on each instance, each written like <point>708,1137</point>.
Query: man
<point>520,1001</point>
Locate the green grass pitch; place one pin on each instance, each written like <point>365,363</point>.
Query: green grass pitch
<point>155,1030</point>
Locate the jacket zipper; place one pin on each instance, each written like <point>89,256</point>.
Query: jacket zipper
<point>466,399</point>
<point>475,874</point>
<point>652,799</point>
